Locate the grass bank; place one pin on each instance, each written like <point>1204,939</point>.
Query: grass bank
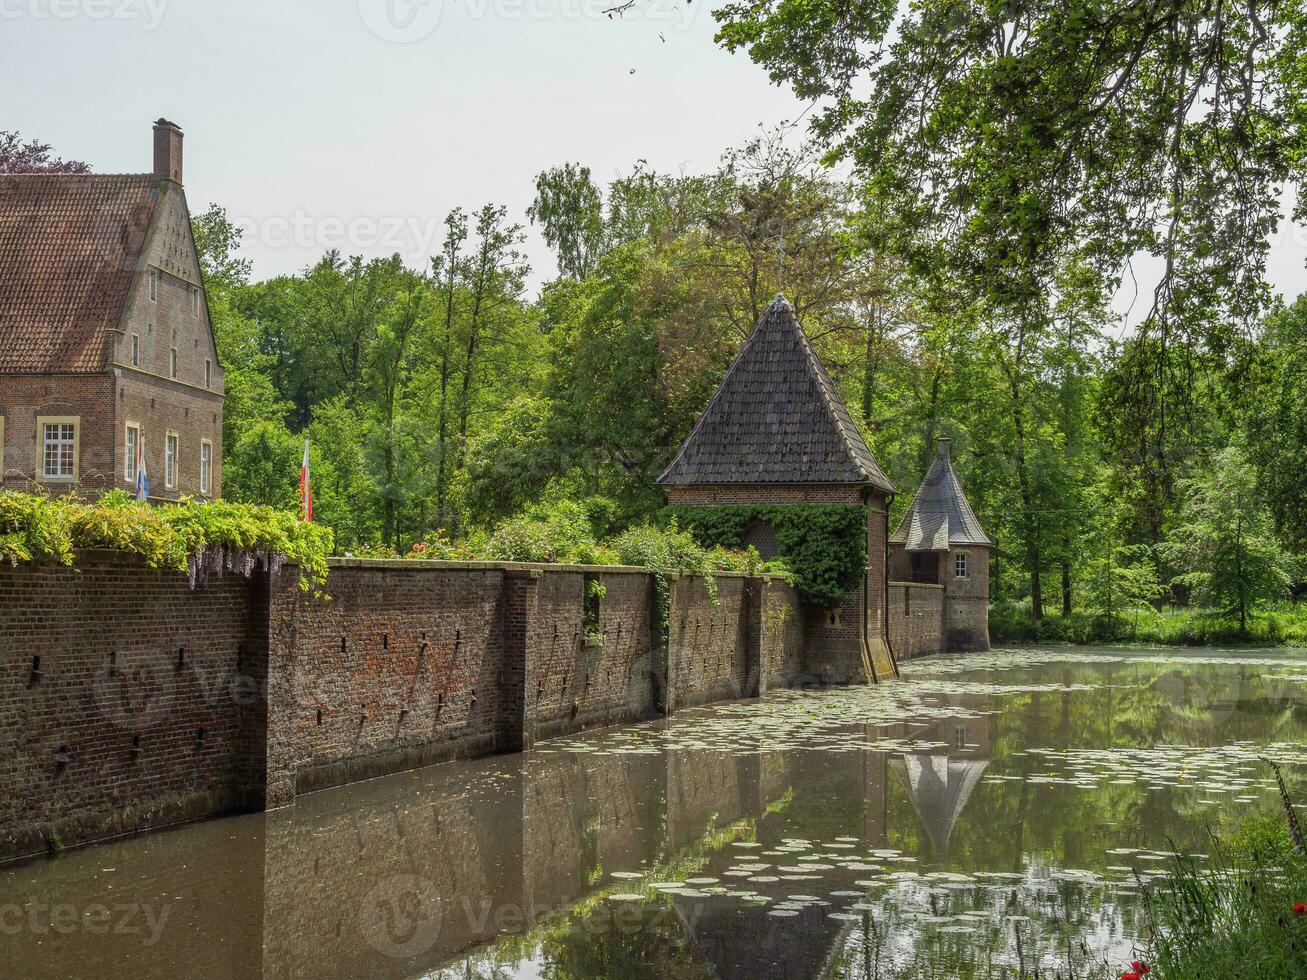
<point>1241,912</point>
<point>1282,623</point>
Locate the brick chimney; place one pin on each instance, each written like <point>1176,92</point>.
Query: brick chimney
<point>944,446</point>
<point>168,151</point>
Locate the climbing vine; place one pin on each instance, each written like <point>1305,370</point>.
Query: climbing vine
<point>824,545</point>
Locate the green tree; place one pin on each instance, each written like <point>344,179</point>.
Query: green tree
<point>1000,138</point>
<point>1271,382</point>
<point>1225,543</point>
<point>569,209</point>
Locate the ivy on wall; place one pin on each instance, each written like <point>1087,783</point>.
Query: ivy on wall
<point>824,545</point>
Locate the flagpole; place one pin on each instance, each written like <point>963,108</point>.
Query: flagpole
<point>306,487</point>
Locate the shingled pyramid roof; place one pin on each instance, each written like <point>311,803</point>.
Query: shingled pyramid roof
<point>940,515</point>
<point>776,418</point>
<point>940,787</point>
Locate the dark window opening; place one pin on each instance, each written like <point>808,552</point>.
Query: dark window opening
<point>925,568</point>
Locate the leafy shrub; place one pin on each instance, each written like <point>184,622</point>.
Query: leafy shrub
<point>197,538</point>
<point>561,531</point>
<point>1282,623</point>
<point>662,548</point>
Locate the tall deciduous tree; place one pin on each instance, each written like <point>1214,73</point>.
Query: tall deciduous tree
<point>1271,385</point>
<point>569,209</point>
<point>1001,137</point>
<point>1225,543</point>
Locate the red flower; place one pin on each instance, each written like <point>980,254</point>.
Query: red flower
<point>1140,967</point>
<point>1300,909</point>
<point>1132,975</point>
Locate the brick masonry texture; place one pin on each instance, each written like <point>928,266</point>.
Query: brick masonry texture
<point>915,627</point>
<point>130,701</point>
<point>120,701</point>
<point>833,644</point>
<point>963,623</point>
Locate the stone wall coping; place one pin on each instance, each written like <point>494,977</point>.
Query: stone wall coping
<point>431,564</point>
<point>917,585</point>
<point>424,564</point>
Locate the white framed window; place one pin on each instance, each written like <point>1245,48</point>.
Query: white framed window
<point>154,286</point>
<point>208,373</point>
<point>57,448</point>
<point>172,362</point>
<point>131,443</point>
<point>170,461</point>
<point>960,565</point>
<point>206,467</point>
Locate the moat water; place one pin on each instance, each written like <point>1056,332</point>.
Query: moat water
<point>986,816</point>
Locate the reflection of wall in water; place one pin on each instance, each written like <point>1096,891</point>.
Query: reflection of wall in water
<point>502,851</point>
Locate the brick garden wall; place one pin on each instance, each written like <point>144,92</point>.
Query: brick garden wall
<point>121,705</point>
<point>129,700</point>
<point>398,670</point>
<point>916,619</point>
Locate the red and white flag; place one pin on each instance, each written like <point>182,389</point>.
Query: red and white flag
<point>306,488</point>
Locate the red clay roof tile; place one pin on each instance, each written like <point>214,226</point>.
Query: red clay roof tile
<point>69,249</point>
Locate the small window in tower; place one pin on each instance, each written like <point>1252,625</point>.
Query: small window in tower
<point>195,301</point>
<point>154,286</point>
<point>208,373</point>
<point>172,361</point>
<point>136,350</point>
<point>960,565</point>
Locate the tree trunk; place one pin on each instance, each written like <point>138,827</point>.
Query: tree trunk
<point>871,365</point>
<point>1030,521</point>
<point>443,438</point>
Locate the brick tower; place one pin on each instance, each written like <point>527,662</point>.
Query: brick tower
<point>777,433</point>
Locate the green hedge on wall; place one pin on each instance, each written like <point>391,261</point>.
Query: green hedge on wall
<point>824,545</point>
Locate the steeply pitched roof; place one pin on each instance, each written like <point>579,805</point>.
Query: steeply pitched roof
<point>940,515</point>
<point>776,418</point>
<point>940,787</point>
<point>69,249</point>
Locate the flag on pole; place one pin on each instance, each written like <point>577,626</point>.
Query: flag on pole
<point>142,479</point>
<point>306,488</point>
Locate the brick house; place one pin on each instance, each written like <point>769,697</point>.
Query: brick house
<point>940,542</point>
<point>776,432</point>
<point>105,336</point>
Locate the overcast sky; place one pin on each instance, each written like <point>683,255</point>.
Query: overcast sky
<point>359,123</point>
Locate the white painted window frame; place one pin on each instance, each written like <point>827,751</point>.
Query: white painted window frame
<point>42,422</point>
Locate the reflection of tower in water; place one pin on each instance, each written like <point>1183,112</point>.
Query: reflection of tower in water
<point>941,779</point>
